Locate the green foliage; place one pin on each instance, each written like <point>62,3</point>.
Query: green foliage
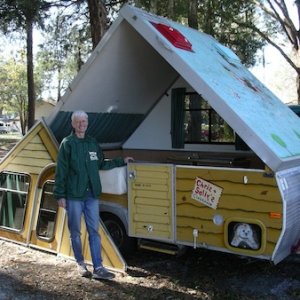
<point>15,14</point>
<point>224,21</point>
<point>13,86</point>
<point>23,15</point>
<point>66,47</point>
<point>161,7</point>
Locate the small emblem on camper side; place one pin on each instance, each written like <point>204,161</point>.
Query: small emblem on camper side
<point>206,193</point>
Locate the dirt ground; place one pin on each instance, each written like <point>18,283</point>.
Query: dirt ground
<point>27,273</point>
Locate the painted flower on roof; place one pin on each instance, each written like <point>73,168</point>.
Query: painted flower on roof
<point>280,142</point>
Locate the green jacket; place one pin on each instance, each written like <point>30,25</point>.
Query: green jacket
<point>78,165</point>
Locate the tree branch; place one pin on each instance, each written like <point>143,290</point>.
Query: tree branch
<point>266,37</point>
<point>286,23</point>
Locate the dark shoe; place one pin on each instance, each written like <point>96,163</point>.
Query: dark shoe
<point>83,271</point>
<point>102,273</point>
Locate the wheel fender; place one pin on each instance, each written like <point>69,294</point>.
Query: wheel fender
<point>115,209</point>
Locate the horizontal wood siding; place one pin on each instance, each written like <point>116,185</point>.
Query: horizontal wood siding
<point>52,148</point>
<point>246,195</point>
<point>32,158</point>
<point>150,204</point>
<point>121,200</point>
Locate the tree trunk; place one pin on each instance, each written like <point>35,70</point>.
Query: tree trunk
<point>23,115</point>
<point>192,14</point>
<point>138,3</point>
<point>30,78</point>
<point>98,20</point>
<point>153,6</point>
<point>298,87</point>
<point>59,84</point>
<point>171,9</point>
<point>22,121</point>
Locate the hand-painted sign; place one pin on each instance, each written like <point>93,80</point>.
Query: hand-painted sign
<point>206,193</point>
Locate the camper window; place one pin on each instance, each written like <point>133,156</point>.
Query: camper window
<point>13,198</point>
<point>202,124</point>
<point>47,213</point>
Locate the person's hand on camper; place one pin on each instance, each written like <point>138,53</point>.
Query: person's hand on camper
<point>128,159</point>
<point>62,202</point>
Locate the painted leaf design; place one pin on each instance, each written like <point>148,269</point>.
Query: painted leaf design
<point>278,140</point>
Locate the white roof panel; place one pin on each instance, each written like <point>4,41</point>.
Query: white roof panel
<point>267,125</point>
<point>135,64</point>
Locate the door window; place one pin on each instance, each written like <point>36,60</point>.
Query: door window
<point>47,213</point>
<point>13,198</point>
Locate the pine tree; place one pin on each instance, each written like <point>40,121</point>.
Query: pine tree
<point>23,15</point>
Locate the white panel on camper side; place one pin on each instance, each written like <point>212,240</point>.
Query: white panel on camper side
<point>123,75</point>
<point>288,183</point>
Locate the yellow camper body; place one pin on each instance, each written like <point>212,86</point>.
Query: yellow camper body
<point>29,214</point>
<point>227,209</point>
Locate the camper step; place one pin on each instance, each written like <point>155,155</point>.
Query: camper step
<point>161,247</point>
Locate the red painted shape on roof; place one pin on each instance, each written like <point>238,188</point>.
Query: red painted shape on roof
<point>175,37</point>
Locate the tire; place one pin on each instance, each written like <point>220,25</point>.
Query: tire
<point>116,229</point>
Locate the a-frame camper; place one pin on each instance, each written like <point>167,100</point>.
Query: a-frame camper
<point>216,153</point>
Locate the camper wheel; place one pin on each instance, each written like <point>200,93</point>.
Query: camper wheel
<point>116,229</point>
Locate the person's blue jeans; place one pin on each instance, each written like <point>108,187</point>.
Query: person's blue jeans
<point>90,209</point>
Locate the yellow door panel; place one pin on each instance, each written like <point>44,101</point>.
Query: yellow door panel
<point>151,211</point>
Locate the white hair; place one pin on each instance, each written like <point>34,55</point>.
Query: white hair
<point>79,114</point>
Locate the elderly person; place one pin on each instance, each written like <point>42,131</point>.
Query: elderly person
<point>77,188</point>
